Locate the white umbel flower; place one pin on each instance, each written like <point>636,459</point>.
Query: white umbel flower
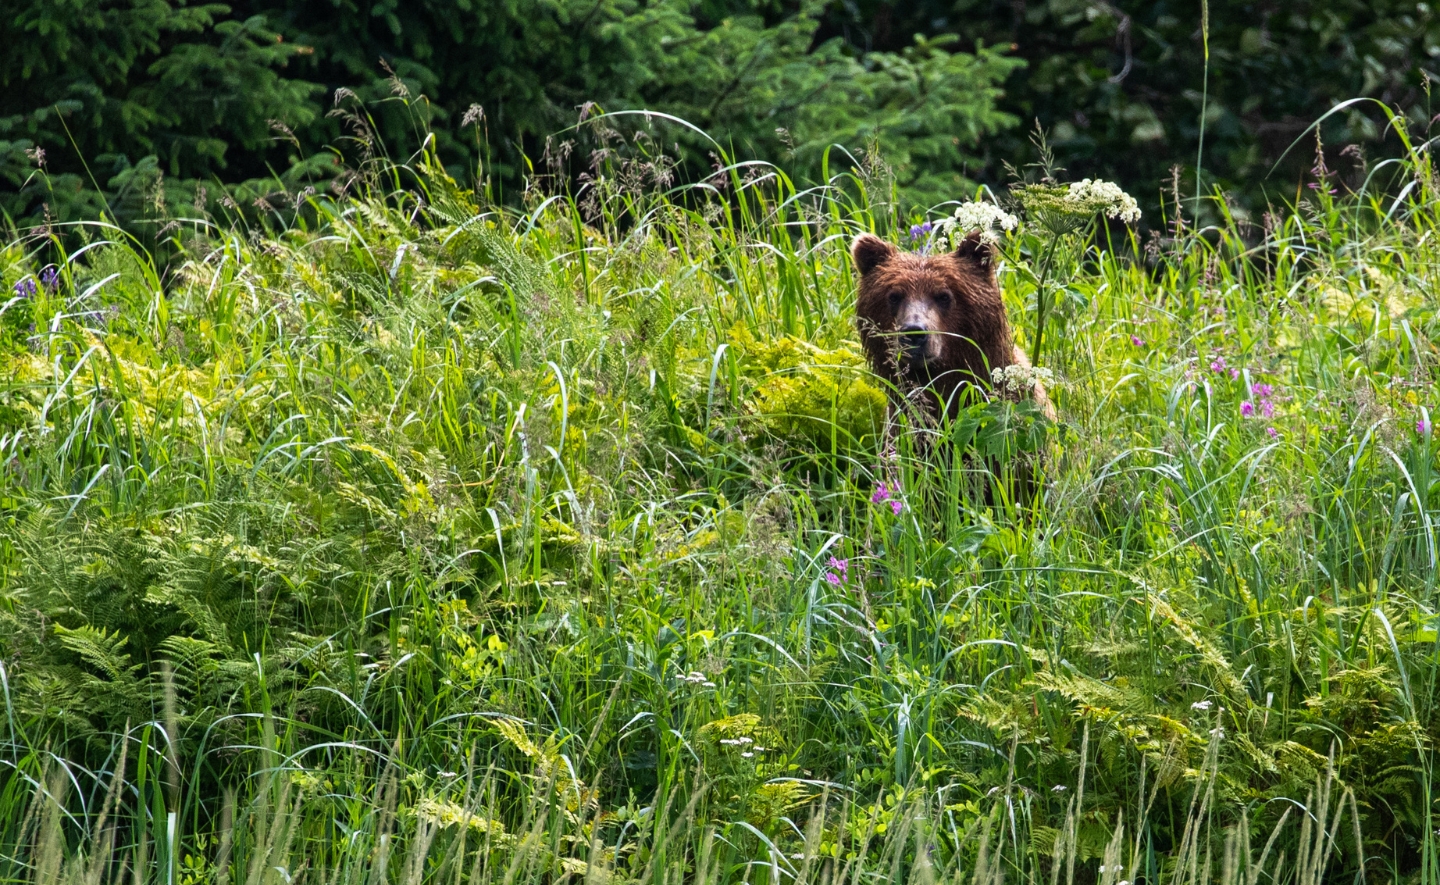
<point>1020,379</point>
<point>977,216</point>
<point>1095,195</point>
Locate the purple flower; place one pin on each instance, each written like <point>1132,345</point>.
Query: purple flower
<point>882,494</point>
<point>1217,365</point>
<point>1247,408</point>
<point>25,288</point>
<point>1137,341</point>
<point>840,565</point>
<point>1267,408</point>
<point>833,578</point>
<point>1422,427</point>
<point>50,278</point>
<point>919,231</point>
<point>1273,432</point>
<point>1262,390</point>
<point>1234,373</point>
<point>896,507</point>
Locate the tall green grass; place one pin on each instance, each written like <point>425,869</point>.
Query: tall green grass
<point>421,539</point>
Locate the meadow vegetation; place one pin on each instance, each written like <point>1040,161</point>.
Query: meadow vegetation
<point>415,538</point>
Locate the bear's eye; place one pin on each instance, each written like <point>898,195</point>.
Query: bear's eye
<point>895,299</point>
<point>942,300</point>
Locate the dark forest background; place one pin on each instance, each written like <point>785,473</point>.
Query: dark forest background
<point>127,104</point>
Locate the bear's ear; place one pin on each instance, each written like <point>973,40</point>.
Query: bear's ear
<point>976,250</point>
<point>869,252</point>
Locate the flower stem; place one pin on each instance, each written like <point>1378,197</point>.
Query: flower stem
<point>1042,304</point>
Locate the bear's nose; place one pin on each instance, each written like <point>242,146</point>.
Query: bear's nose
<point>913,331</point>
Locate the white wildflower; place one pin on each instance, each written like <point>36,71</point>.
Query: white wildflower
<point>1202,706</point>
<point>1058,788</point>
<point>1017,378</point>
<point>1095,195</point>
<point>977,216</point>
<point>746,755</point>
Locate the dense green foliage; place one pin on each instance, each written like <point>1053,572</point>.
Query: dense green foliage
<point>147,90</point>
<point>1121,86</point>
<point>476,545</point>
<point>155,88</point>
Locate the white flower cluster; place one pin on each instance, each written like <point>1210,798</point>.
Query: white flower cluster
<point>1095,195</point>
<point>695,677</point>
<point>1020,379</point>
<point>743,742</point>
<point>984,217</point>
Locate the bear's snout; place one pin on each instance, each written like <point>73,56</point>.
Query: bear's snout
<point>916,327</point>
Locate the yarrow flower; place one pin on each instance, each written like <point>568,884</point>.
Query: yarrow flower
<point>1017,378</point>
<point>1105,197</point>
<point>984,217</point>
<point>1064,209</point>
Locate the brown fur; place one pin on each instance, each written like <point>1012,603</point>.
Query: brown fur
<point>959,330</point>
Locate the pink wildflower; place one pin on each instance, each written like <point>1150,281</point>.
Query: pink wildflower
<point>1273,432</point>
<point>1422,427</point>
<point>842,566</point>
<point>1247,408</point>
<point>1267,408</point>
<point>896,507</point>
<point>834,578</point>
<point>1234,373</point>
<point>1262,390</point>
<point>882,494</point>
<point>1137,341</point>
<point>1217,365</point>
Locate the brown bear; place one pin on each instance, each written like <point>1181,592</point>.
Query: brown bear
<point>935,322</point>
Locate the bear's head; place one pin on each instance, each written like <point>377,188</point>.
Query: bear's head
<point>931,318</point>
